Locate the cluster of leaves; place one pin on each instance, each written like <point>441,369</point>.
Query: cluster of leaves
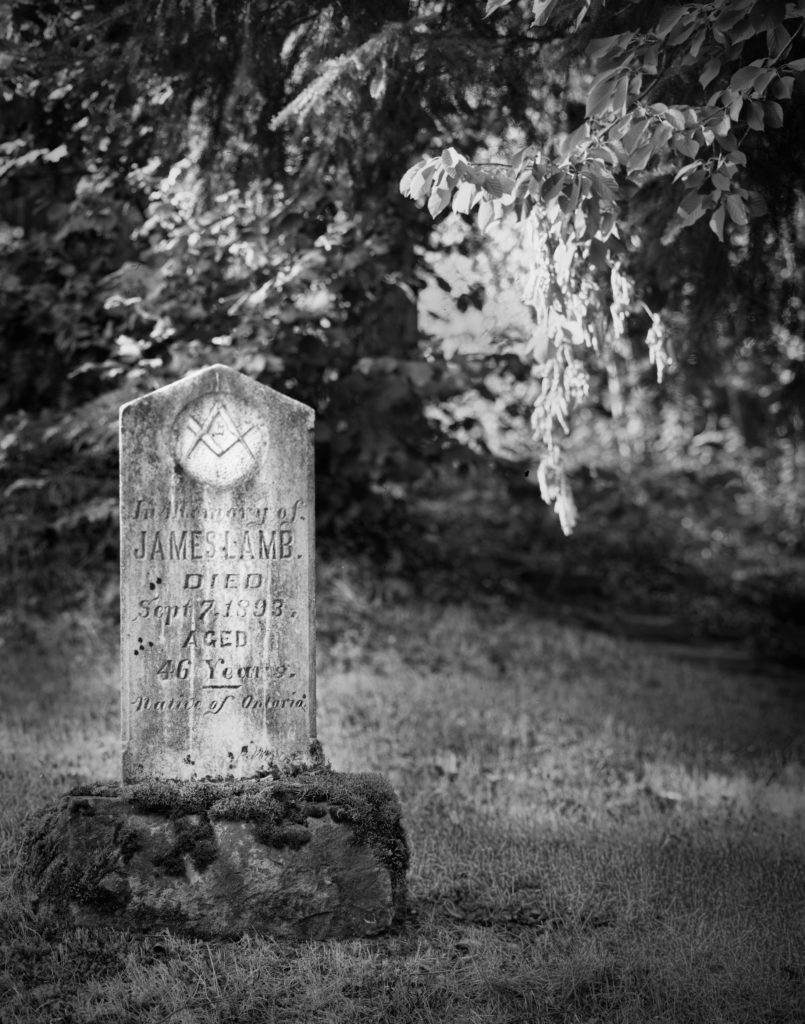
<point>675,100</point>
<point>64,220</point>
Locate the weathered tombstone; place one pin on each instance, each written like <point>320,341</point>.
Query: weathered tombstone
<point>227,819</point>
<point>217,581</point>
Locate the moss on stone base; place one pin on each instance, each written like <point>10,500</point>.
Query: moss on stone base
<point>364,801</point>
<point>194,838</point>
<point>292,836</point>
<point>278,810</point>
<point>60,876</point>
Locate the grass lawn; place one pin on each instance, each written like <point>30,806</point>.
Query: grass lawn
<point>599,833</point>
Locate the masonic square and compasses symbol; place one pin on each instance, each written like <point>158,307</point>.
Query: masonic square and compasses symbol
<point>219,442</point>
<point>219,433</point>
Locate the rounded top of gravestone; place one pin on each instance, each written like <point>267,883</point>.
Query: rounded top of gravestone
<point>221,378</point>
<point>216,421</point>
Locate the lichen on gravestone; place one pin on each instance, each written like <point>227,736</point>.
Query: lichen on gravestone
<point>217,581</point>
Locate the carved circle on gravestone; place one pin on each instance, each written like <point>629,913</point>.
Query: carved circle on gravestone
<point>218,440</point>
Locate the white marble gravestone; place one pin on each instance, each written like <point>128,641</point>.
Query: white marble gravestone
<point>217,581</point>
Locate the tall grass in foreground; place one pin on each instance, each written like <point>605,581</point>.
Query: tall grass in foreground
<point>598,835</point>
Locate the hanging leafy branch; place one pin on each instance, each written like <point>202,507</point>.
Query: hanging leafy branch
<point>726,70</point>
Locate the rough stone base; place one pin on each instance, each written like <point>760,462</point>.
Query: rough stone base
<point>315,856</point>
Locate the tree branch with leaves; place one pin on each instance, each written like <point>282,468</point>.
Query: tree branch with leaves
<point>678,98</point>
